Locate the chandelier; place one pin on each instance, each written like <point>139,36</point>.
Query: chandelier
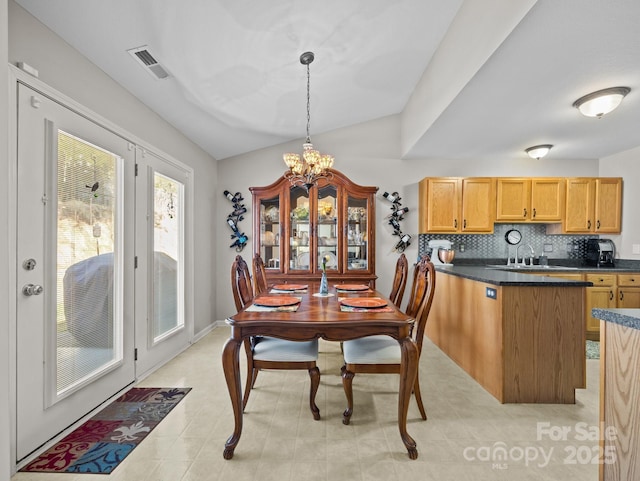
<point>313,165</point>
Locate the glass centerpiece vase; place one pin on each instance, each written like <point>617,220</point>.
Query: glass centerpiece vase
<point>324,285</point>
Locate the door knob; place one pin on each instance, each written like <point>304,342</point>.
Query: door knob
<point>32,290</point>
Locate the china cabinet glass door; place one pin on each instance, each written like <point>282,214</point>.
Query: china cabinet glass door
<point>270,232</point>
<point>357,234</point>
<point>300,230</point>
<point>327,227</point>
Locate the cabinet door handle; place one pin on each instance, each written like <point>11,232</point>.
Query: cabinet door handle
<point>621,295</point>
<point>611,295</point>
<point>464,223</point>
<point>589,224</point>
<point>455,223</point>
<point>598,224</point>
<point>525,212</point>
<point>534,212</point>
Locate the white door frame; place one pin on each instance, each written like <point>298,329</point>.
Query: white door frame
<point>153,355</point>
<point>16,75</point>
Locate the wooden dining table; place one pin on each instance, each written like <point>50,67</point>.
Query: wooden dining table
<point>321,317</point>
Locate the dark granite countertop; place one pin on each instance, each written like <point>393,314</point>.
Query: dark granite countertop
<point>624,317</point>
<point>573,265</point>
<point>507,278</point>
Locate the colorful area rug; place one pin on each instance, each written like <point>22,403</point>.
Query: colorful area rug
<point>593,349</point>
<point>102,442</point>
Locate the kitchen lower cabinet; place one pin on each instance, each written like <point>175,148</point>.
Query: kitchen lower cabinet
<point>610,291</point>
<point>628,293</point>
<point>602,297</point>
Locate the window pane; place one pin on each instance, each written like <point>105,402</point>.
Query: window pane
<point>87,330</point>
<point>167,241</point>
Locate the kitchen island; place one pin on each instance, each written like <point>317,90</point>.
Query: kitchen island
<point>619,393</point>
<point>521,337</point>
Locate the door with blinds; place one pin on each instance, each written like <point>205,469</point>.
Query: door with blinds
<point>75,272</point>
<point>163,296</point>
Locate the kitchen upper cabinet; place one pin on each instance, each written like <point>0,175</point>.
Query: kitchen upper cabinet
<point>529,199</point>
<point>295,228</point>
<point>456,205</point>
<point>593,205</point>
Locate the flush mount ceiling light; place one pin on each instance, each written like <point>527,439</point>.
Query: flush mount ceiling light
<point>597,104</point>
<point>313,165</point>
<point>538,151</point>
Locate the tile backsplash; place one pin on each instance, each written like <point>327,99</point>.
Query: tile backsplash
<point>494,246</point>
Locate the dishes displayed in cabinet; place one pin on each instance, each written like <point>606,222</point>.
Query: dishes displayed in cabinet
<point>271,214</point>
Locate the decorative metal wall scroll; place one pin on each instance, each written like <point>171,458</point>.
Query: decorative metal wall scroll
<point>240,239</point>
<point>397,214</point>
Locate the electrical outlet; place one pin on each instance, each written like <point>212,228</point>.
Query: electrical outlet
<point>635,248</point>
<point>548,247</point>
<point>492,293</point>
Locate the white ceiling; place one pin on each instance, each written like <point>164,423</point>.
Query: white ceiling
<point>484,78</point>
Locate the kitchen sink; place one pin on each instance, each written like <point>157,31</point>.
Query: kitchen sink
<point>520,267</point>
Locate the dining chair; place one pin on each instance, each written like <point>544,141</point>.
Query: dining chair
<point>399,280</point>
<point>270,352</point>
<point>259,275</point>
<point>381,354</point>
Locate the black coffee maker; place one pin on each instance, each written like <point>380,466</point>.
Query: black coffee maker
<point>600,253</point>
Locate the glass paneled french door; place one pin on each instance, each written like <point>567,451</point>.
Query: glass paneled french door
<point>75,272</point>
<point>162,328</point>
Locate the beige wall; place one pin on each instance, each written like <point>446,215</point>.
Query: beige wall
<point>67,71</point>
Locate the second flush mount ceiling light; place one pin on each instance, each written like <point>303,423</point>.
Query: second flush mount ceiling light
<point>538,151</point>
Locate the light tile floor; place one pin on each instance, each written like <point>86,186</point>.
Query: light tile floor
<point>468,436</point>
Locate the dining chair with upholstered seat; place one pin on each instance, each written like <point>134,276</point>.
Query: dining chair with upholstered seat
<point>381,354</point>
<point>259,275</point>
<point>270,352</point>
<point>399,280</point>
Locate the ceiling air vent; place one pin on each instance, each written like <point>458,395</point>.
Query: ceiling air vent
<point>150,64</point>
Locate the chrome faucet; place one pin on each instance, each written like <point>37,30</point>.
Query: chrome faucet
<point>524,262</point>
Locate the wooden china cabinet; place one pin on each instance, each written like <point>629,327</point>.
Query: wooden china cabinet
<point>294,229</point>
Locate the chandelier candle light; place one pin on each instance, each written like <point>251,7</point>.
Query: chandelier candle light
<point>313,165</point>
